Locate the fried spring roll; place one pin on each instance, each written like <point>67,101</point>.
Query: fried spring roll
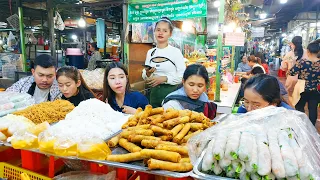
<point>169,115</point>
<point>176,129</point>
<point>187,137</point>
<point>183,150</point>
<point>125,134</point>
<point>146,112</point>
<point>129,146</point>
<point>154,118</point>
<point>114,141</point>
<point>138,138</point>
<point>169,166</point>
<point>166,138</point>
<point>126,157</point>
<point>173,122</point>
<point>161,131</point>
<point>158,110</point>
<point>132,123</point>
<point>182,133</point>
<point>196,126</point>
<point>161,155</point>
<point>185,160</point>
<point>159,125</point>
<point>153,143</point>
<point>133,120</point>
<point>185,112</point>
<point>146,132</point>
<point>145,126</point>
<point>196,117</point>
<point>169,109</point>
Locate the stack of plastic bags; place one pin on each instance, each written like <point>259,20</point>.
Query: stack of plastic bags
<point>83,131</point>
<point>271,143</point>
<point>94,79</point>
<point>11,102</point>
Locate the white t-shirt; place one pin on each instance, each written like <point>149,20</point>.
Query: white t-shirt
<point>40,95</point>
<point>168,62</point>
<point>258,65</point>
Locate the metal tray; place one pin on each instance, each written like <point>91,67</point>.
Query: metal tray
<point>202,176</point>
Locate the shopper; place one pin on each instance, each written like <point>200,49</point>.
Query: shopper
<point>166,64</point>
<point>116,90</point>
<point>309,71</point>
<point>244,66</point>
<point>265,65</point>
<point>261,91</point>
<point>253,62</point>
<point>192,95</point>
<point>42,84</point>
<point>94,56</point>
<point>72,85</point>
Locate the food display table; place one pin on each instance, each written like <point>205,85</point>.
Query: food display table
<point>228,98</point>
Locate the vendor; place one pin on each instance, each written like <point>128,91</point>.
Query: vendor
<point>116,90</point>
<point>192,95</point>
<point>253,62</point>
<point>261,91</point>
<point>72,85</point>
<point>166,64</point>
<point>94,56</point>
<point>244,66</point>
<point>42,84</point>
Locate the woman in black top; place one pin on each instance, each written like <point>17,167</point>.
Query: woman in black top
<point>72,85</point>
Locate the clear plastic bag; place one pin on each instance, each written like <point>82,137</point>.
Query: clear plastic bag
<point>84,175</point>
<point>93,148</point>
<point>306,142</point>
<point>94,79</point>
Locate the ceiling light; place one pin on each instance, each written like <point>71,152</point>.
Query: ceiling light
<point>283,1</point>
<point>68,17</point>
<point>216,3</point>
<point>263,15</point>
<point>74,37</point>
<point>82,23</point>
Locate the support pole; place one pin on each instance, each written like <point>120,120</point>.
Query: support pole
<point>232,59</point>
<point>219,50</point>
<point>124,44</point>
<point>23,45</point>
<point>51,31</point>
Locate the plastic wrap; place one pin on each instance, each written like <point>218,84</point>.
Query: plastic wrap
<point>297,138</point>
<point>94,79</point>
<point>85,175</point>
<point>12,101</point>
<point>11,124</point>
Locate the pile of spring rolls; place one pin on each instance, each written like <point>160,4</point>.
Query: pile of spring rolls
<point>257,154</point>
<point>159,137</point>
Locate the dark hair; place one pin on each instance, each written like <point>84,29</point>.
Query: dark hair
<point>298,50</point>
<point>94,45</point>
<point>257,70</point>
<point>167,20</point>
<point>108,93</point>
<point>74,74</point>
<point>314,47</point>
<point>44,60</point>
<point>252,58</point>
<point>196,69</point>
<point>267,86</point>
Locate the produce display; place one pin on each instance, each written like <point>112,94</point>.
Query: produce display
<point>12,101</point>
<point>94,79</point>
<point>50,112</point>
<point>271,143</point>
<point>158,137</point>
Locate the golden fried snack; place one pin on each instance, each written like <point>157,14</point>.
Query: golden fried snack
<point>185,160</point>
<point>153,143</point>
<point>187,137</point>
<point>129,146</point>
<point>145,126</point>
<point>138,138</point>
<point>169,166</point>
<point>159,125</point>
<point>145,114</point>
<point>136,156</point>
<point>169,115</point>
<point>125,134</point>
<point>169,124</point>
<point>154,118</point>
<point>161,131</point>
<point>146,132</point>
<point>158,110</point>
<point>169,109</point>
<point>197,126</point>
<point>185,112</point>
<point>183,150</point>
<point>207,124</point>
<point>47,111</point>
<point>133,120</point>
<point>176,129</point>
<point>166,138</point>
<point>132,123</point>
<point>196,117</point>
<point>114,141</point>
<point>182,133</point>
<point>161,155</point>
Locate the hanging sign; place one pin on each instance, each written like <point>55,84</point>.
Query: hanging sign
<point>174,10</point>
<point>257,32</point>
<point>234,39</point>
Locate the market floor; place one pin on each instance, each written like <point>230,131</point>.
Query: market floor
<point>283,80</point>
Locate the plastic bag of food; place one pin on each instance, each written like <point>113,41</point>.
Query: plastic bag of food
<point>24,140</point>
<point>10,124</point>
<point>93,148</point>
<point>296,135</point>
<point>85,175</point>
<point>46,141</point>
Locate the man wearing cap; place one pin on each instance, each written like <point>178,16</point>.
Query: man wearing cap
<point>42,85</point>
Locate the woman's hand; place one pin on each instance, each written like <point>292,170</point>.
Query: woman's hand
<point>155,81</point>
<point>128,110</point>
<point>150,71</point>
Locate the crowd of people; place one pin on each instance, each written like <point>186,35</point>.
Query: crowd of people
<point>173,85</point>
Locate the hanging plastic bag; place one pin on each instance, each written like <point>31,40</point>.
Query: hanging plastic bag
<point>58,22</point>
<point>11,38</point>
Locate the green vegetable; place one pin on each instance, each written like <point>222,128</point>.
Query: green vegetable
<point>229,168</point>
<point>311,177</point>
<point>290,136</point>
<point>239,168</point>
<point>217,156</point>
<point>234,155</point>
<point>212,167</point>
<point>255,167</point>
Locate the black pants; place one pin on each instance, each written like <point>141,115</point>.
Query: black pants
<point>313,99</point>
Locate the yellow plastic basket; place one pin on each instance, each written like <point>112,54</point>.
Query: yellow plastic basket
<point>14,172</point>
